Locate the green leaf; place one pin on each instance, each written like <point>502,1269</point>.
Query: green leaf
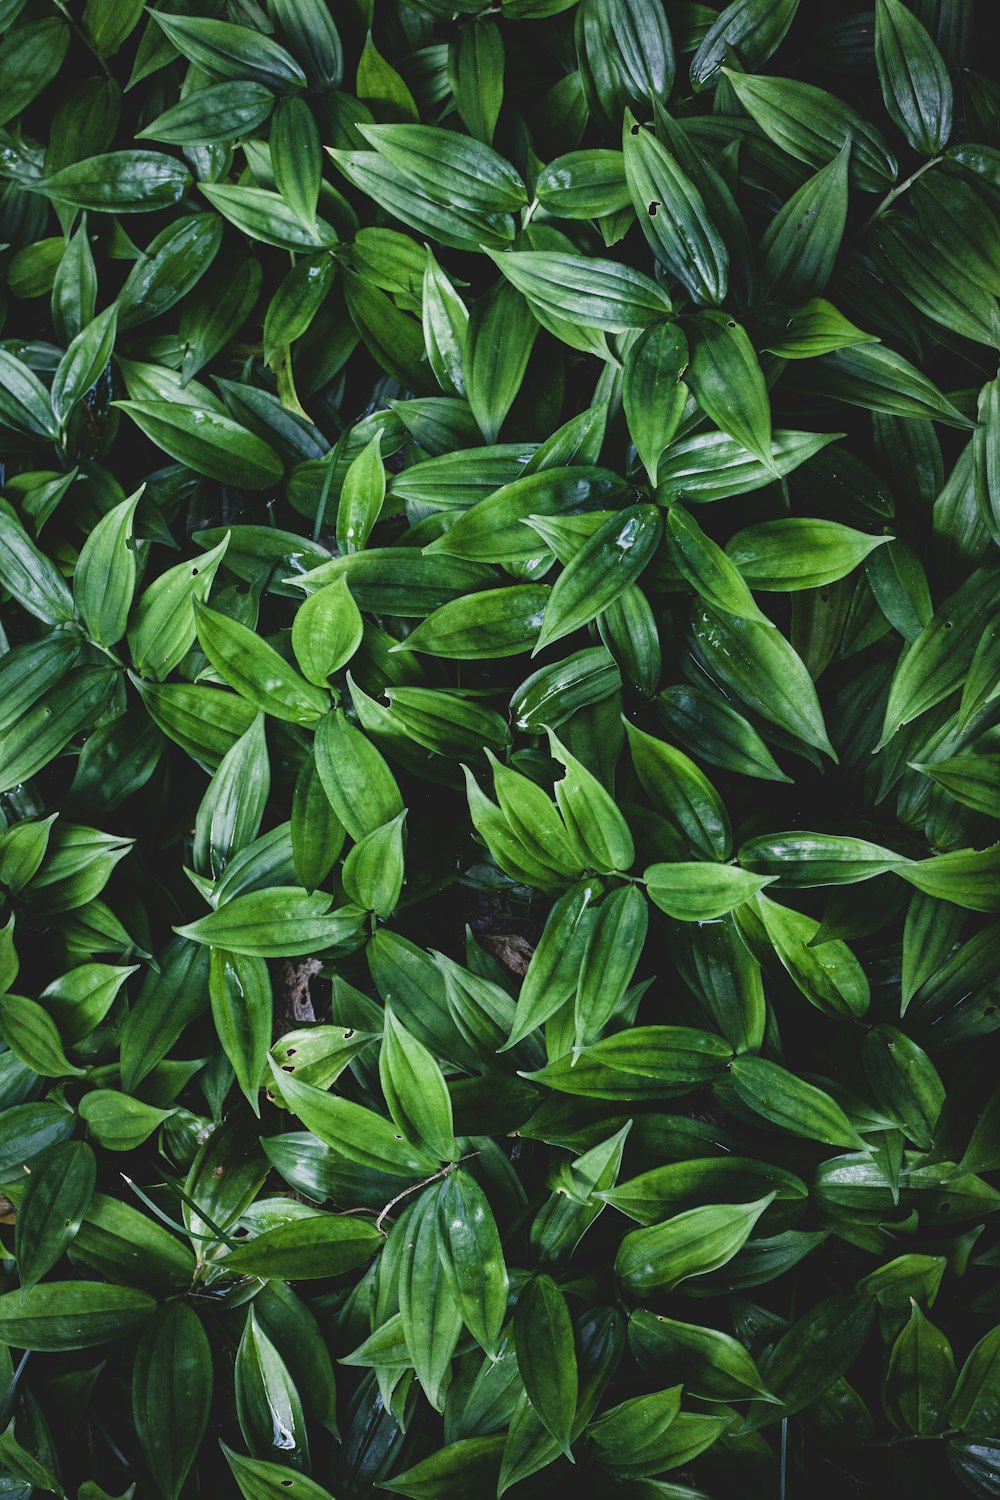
<point>207,116</point>
<point>546,1356</point>
<point>646,1062</point>
<point>277,923</point>
<point>475,73</point>
<point>799,553</point>
<point>904,1081</point>
<point>267,1402</point>
<point>163,628</point>
<point>62,1315</point>
<point>878,379</point>
<point>30,576</point>
<point>614,948</point>
<point>359,785</point>
<point>551,976</point>
<point>30,57</point>
<point>813,1354</point>
<point>798,250</point>
<point>117,1121</point>
<point>653,393</point>
<point>209,443</point>
<point>374,870</point>
<point>307,1249</point>
<point>713,1365</point>
<point>966,877</point>
<point>51,1210</point>
<point>799,860</point>
<point>122,182</point>
<point>752,28</point>
<point>975,1401</point>
<point>593,820</point>
<point>813,126</point>
<point>462,1468</point>
<point>230,813</point>
<point>231,51</point>
<point>597,293</point>
<point>728,384</point>
<point>935,664</point>
<point>171,1394</point>
<point>32,1035</point>
<point>63,711</point>
<point>711,466</point>
<point>827,973</point>
<point>430,1319</point>
<point>913,76</point>
<point>256,670</point>
<point>699,892</point>
<point>415,1091</point>
<point>786,1100</point>
<point>296,157</point>
<point>673,216</point>
<point>449,167</point>
<point>758,665</point>
<point>689,1244</point>
<point>706,567</point>
<point>930,280</point>
<point>451,225</point>
<point>498,343</point>
<point>605,565</point>
<point>471,1258</point>
<point>260,1480</point>
<point>361,498</point>
<point>105,576</point>
<point>353,1131</point>
<point>495,623</point>
<point>239,989</point>
<point>265,216</point>
<point>920,1377</point>
<point>82,364</point>
<point>584,184</point>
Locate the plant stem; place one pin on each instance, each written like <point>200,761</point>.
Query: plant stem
<point>897,192</point>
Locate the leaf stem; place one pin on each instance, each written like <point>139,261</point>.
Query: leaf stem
<point>85,39</point>
<point>898,191</point>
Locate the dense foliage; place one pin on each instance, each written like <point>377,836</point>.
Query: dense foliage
<point>499,748</point>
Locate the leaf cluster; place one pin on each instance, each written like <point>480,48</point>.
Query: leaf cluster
<point>499,761</point>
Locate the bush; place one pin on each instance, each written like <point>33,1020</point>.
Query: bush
<point>499,749</point>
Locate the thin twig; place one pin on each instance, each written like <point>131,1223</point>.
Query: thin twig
<point>415,1188</point>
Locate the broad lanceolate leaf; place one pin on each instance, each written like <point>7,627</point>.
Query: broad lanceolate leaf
<point>653,393</point>
<point>689,1244</point>
<point>606,564</point>
<point>598,293</point>
<point>728,384</point>
<point>56,1197</point>
<point>256,670</point>
<point>673,216</point>
<point>277,923</point>
<point>472,1257</point>
<point>700,892</point>
<point>171,1394</point>
<point>914,77</point>
<point>62,1315</point>
<point>758,665</point>
<point>207,442</point>
<point>812,126</point>
<point>934,665</point>
<point>546,1356</point>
